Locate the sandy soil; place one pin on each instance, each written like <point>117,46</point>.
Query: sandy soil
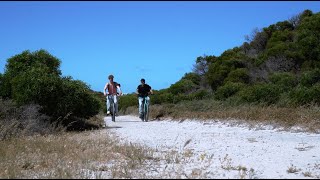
<point>217,149</point>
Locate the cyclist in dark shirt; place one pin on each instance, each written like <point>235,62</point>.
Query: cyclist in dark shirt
<point>143,90</point>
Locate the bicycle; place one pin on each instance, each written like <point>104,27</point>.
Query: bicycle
<point>145,109</point>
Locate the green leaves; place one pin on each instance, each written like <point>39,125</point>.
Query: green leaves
<point>38,59</point>
<point>35,77</point>
<point>183,86</point>
<point>308,37</point>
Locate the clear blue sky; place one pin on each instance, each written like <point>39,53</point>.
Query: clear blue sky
<point>155,40</point>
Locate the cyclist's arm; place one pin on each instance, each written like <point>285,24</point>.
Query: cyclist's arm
<point>105,88</point>
<point>120,92</point>
<point>150,91</point>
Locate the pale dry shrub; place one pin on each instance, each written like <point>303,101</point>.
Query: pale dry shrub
<point>22,121</point>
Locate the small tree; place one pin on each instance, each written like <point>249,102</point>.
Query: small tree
<point>252,36</point>
<point>25,61</point>
<point>308,37</point>
<point>34,78</point>
<point>38,59</point>
<point>202,64</point>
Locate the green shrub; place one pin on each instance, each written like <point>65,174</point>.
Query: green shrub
<point>285,81</point>
<point>232,55</point>
<point>309,78</point>
<point>200,94</point>
<point>35,78</point>
<point>227,90</point>
<point>180,97</point>
<point>182,86</point>
<point>59,97</point>
<point>240,75</point>
<point>277,49</point>
<point>219,71</point>
<point>26,61</point>
<point>128,100</point>
<point>167,97</point>
<point>36,86</point>
<point>216,74</point>
<point>37,59</point>
<point>303,95</point>
<point>307,36</point>
<point>195,78</point>
<point>300,95</point>
<point>260,93</point>
<point>309,65</point>
<point>157,97</point>
<point>78,98</point>
<point>5,87</point>
<point>164,96</point>
<point>315,93</point>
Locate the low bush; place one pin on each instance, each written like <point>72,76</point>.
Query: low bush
<point>260,93</point>
<point>227,90</point>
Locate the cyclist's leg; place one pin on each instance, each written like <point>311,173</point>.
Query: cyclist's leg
<point>108,104</point>
<point>148,100</point>
<point>147,108</point>
<point>140,99</point>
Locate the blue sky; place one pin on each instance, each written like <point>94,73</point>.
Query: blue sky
<point>155,40</point>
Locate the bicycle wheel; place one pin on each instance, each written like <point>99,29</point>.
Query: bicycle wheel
<point>142,113</point>
<point>113,112</point>
<point>112,109</point>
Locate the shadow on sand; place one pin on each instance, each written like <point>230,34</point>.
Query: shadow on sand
<point>129,121</point>
<point>113,127</point>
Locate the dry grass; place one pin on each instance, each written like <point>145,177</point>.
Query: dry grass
<point>307,174</point>
<point>70,155</point>
<point>91,154</point>
<point>293,169</point>
<point>307,118</point>
<point>22,121</point>
<point>19,121</point>
<point>29,149</point>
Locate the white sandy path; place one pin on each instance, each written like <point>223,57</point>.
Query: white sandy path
<point>269,152</point>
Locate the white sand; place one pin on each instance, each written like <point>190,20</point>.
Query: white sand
<point>219,150</point>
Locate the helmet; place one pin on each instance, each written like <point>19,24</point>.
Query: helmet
<point>110,76</point>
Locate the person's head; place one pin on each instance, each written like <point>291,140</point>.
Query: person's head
<point>143,81</point>
<point>110,77</point>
